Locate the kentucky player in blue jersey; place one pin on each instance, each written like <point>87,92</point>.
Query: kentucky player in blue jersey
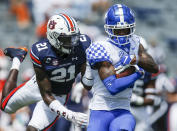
<point>57,61</point>
<point>109,107</point>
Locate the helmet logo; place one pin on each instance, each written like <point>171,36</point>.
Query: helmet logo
<point>52,24</point>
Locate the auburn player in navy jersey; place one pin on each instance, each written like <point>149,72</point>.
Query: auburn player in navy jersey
<point>57,61</point>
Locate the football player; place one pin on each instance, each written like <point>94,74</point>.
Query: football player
<point>154,90</point>
<point>111,95</point>
<point>57,61</point>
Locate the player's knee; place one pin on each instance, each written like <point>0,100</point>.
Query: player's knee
<point>7,109</point>
<point>129,125</point>
<point>121,129</point>
<point>31,128</point>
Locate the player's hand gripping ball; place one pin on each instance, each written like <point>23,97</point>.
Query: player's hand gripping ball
<point>125,72</point>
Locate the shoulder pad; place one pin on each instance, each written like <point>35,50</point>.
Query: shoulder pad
<point>97,53</point>
<point>37,50</point>
<point>85,41</point>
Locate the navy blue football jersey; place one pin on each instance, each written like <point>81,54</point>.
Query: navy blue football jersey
<point>61,71</point>
<point>141,83</point>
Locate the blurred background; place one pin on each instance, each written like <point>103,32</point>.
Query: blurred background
<point>23,22</point>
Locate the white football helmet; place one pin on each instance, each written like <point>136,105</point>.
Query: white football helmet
<point>63,33</point>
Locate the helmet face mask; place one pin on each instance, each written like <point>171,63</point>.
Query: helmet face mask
<point>119,24</point>
<point>68,42</point>
<point>121,32</point>
<point>63,33</point>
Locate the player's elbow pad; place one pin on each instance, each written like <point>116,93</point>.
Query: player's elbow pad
<point>115,85</point>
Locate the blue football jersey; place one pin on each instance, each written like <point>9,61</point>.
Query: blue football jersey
<point>61,71</point>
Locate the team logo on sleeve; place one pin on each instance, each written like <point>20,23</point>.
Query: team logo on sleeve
<point>48,60</point>
<point>51,61</point>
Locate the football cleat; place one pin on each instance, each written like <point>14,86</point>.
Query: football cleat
<point>20,52</point>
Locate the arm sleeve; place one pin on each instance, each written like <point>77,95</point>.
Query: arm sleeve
<point>97,53</point>
<point>34,55</point>
<point>115,85</point>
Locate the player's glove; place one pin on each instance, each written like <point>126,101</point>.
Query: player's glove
<point>79,119</point>
<point>129,60</point>
<point>125,62</point>
<point>139,70</point>
<point>76,93</point>
<point>137,100</point>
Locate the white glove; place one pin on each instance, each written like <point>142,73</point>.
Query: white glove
<point>76,93</point>
<point>138,100</point>
<point>121,68</point>
<point>79,119</point>
<point>139,69</point>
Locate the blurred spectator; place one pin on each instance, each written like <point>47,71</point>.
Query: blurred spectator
<point>16,121</point>
<point>27,74</point>
<point>39,10</point>
<point>172,100</point>
<point>172,44</point>
<point>100,6</point>
<point>20,9</point>
<point>156,51</point>
<point>87,11</point>
<point>3,70</point>
<point>172,126</point>
<point>42,29</point>
<point>92,31</point>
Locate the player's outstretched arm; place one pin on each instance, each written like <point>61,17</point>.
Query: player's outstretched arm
<point>17,55</point>
<point>77,118</point>
<point>146,62</point>
<point>44,86</point>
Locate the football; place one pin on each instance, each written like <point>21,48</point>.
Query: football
<point>128,71</point>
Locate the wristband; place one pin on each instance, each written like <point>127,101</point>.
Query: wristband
<point>57,107</point>
<point>15,64</point>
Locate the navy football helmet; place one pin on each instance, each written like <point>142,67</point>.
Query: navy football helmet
<point>119,24</point>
